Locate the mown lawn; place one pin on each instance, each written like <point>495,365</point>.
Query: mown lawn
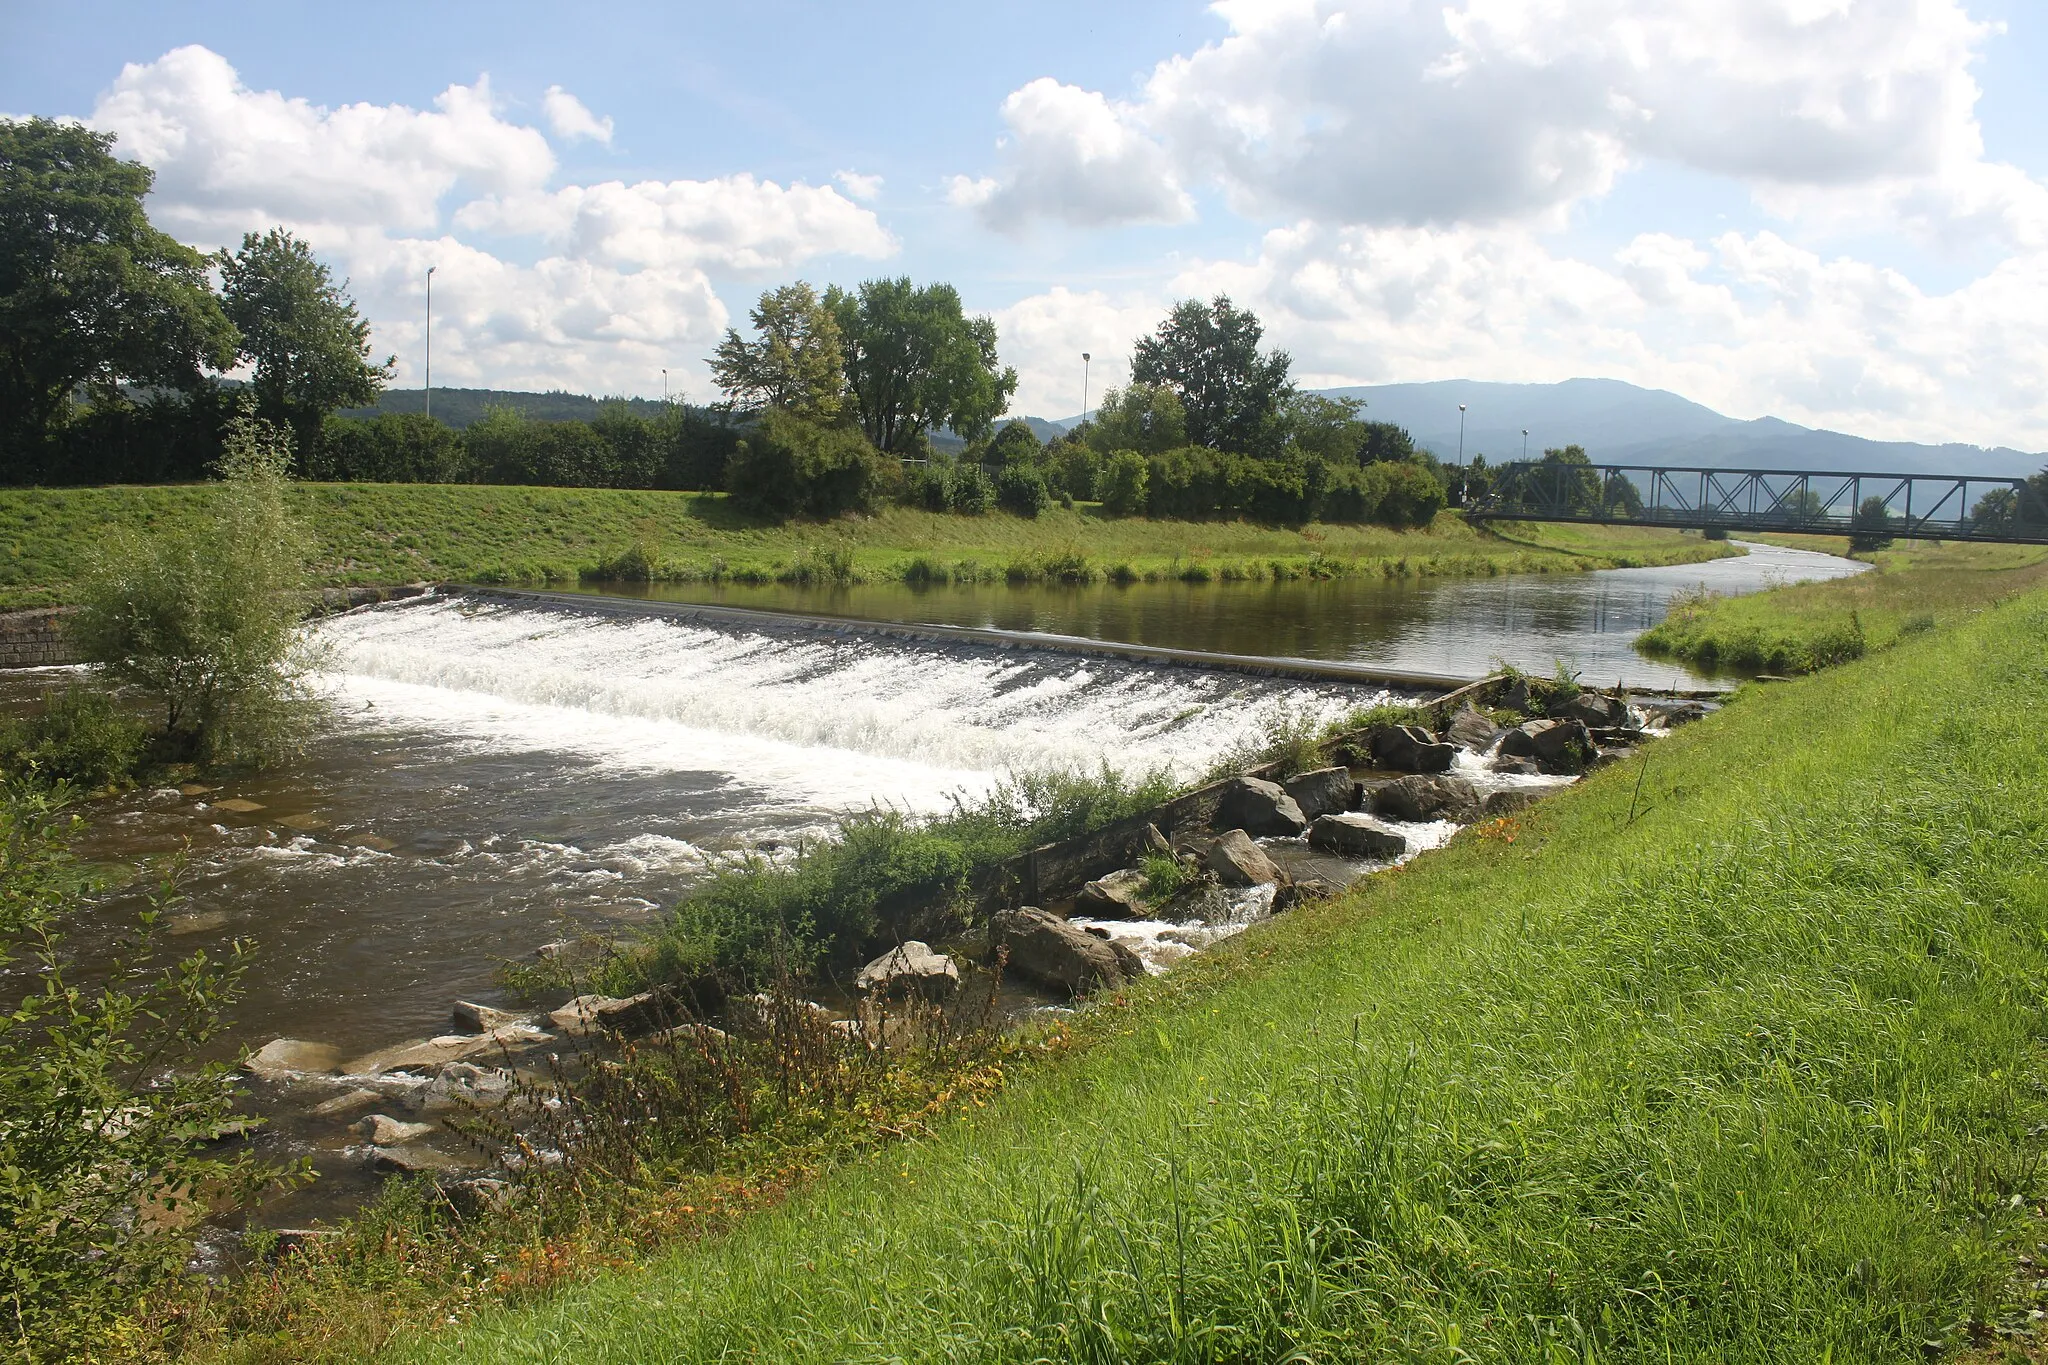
<point>1728,1054</point>
<point>401,533</point>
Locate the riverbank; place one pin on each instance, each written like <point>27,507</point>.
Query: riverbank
<point>1609,1076</point>
<point>371,534</point>
<point>1916,587</point>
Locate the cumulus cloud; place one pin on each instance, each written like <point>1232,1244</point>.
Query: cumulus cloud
<point>230,159</point>
<point>1405,112</point>
<point>571,119</point>
<point>1045,334</point>
<point>865,188</point>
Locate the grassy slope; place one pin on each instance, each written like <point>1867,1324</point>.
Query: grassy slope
<point>397,533</point>
<point>1917,586</point>
<point>1751,1077</point>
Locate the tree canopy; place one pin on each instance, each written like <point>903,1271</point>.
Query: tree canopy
<point>300,329</point>
<point>1147,418</point>
<point>797,365</point>
<point>90,294</point>
<point>1230,391</point>
<point>914,361</point>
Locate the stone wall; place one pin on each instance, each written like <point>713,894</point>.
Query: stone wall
<point>35,639</point>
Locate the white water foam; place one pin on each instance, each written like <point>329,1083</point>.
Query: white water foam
<point>826,720</point>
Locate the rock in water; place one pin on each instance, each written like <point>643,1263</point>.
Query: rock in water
<point>1411,749</point>
<point>343,1103</point>
<point>1558,746</point>
<point>1237,861</point>
<point>1591,708</point>
<point>1322,792</point>
<point>472,1018</point>
<point>1353,835</point>
<point>282,1058</point>
<point>1260,807</point>
<point>1120,895</point>
<point>1427,797</point>
<point>1472,730</point>
<point>1518,767</point>
<point>385,1131</point>
<point>911,969</point>
<point>1052,952</point>
<point>1509,801</point>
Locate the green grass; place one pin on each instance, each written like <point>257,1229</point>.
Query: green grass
<point>1917,585</point>
<point>1734,1056</point>
<point>401,533</point>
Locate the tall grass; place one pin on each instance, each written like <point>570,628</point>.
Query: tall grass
<point>1753,1077</point>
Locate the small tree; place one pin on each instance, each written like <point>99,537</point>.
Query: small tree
<point>1231,392</point>
<point>796,365</point>
<point>786,466</point>
<point>1122,483</point>
<point>1870,528</point>
<point>205,615</point>
<point>916,361</point>
<point>1147,418</point>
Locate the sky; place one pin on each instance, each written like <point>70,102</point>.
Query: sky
<point>1829,211</point>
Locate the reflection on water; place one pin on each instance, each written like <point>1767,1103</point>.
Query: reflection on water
<point>1456,626</point>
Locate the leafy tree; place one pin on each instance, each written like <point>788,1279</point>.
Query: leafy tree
<point>1410,495</point>
<point>90,294</point>
<point>786,466</point>
<point>1870,525</point>
<point>1326,428</point>
<point>301,331</point>
<point>392,447</point>
<point>1075,467</point>
<point>1147,418</point>
<point>1577,485</point>
<point>204,615</point>
<point>969,493</point>
<point>1385,443</point>
<point>796,365</point>
<point>1021,489</point>
<point>1016,443</point>
<point>1124,476</point>
<point>915,361</point>
<point>1209,355</point>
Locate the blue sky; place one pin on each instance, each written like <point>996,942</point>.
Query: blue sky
<point>1834,211</point>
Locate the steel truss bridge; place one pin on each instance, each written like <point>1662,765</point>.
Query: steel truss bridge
<point>1899,506</point>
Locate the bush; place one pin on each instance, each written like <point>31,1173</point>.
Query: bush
<point>786,466</point>
<point>81,737</point>
<point>969,492</point>
<point>1412,495</point>
<point>1123,481</point>
<point>1075,469</point>
<point>1870,526</point>
<point>391,447</point>
<point>925,486</point>
<point>1021,489</point>
<point>204,615</point>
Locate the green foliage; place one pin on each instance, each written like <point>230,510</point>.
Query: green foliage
<point>786,466</point>
<point>969,492</point>
<point>1209,355</point>
<point>1870,525</point>
<point>1016,443</point>
<point>91,296</point>
<point>1165,876</point>
<point>391,447</point>
<point>797,365</point>
<point>101,1173</point>
<point>1147,418</point>
<point>1126,478</point>
<point>203,615</point>
<point>82,737</point>
<point>915,361</point>
<point>1074,468</point>
<point>301,332</point>
<point>1021,490</point>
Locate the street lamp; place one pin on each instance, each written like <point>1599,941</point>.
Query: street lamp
<point>1525,445</point>
<point>1461,435</point>
<point>430,340</point>
<point>664,386</point>
<point>1085,357</point>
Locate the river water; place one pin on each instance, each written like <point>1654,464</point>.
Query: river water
<point>495,777</point>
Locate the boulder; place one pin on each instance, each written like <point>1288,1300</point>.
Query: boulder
<point>282,1058</point>
<point>473,1018</point>
<point>1052,952</point>
<point>1411,749</point>
<point>1352,835</point>
<point>1427,797</point>
<point>412,1159</point>
<point>912,969</point>
<point>1676,712</point>
<point>1120,895</point>
<point>1259,807</point>
<point>631,1015</point>
<point>1150,840</point>
<point>1322,792</point>
<point>1518,767</point>
<point>346,1102</point>
<point>1508,802</point>
<point>762,1011</point>
<point>1515,697</point>
<point>477,1195</point>
<point>1590,708</point>
<point>465,1084</point>
<point>1615,736</point>
<point>429,1053</point>
<point>1304,891</point>
<point>1557,746</point>
<point>385,1131</point>
<point>1472,730</point>
<point>1237,861</point>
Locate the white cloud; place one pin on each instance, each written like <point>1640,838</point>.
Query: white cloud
<point>736,222</point>
<point>1076,157</point>
<point>1044,336</point>
<point>865,188</point>
<point>230,159</point>
<point>570,118</point>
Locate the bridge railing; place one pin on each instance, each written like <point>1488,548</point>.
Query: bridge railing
<point>1899,506</point>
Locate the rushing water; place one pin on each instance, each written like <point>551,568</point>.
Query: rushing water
<point>1455,626</point>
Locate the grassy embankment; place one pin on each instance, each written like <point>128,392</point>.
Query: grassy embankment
<point>1729,1056</point>
<point>1914,587</point>
<point>402,533</point>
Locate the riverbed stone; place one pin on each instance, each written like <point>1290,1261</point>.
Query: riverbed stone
<point>282,1058</point>
<point>1411,749</point>
<point>427,1053</point>
<point>1472,730</point>
<point>911,969</point>
<point>467,1085</point>
<point>384,1131</point>
<point>474,1018</point>
<point>346,1103</point>
<point>1508,801</point>
<point>1354,835</point>
<point>1427,796</point>
<point>1153,842</point>
<point>238,806</point>
<point>630,1015</point>
<point>1237,861</point>
<point>413,1159</point>
<point>1045,948</point>
<point>1120,895</point>
<point>1515,767</point>
<point>1558,746</point>
<point>1259,807</point>
<point>1323,791</point>
<point>1590,708</point>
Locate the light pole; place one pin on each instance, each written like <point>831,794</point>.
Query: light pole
<point>1525,445</point>
<point>664,386</point>
<point>1084,387</point>
<point>1461,435</point>
<point>430,340</point>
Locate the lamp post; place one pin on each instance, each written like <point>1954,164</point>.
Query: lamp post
<point>1525,445</point>
<point>664,386</point>
<point>1084,387</point>
<point>430,340</point>
<point>1461,435</point>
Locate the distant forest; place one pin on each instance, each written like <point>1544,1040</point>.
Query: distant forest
<point>460,407</point>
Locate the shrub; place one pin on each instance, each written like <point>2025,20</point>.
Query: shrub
<point>969,492</point>
<point>1021,489</point>
<point>1412,495</point>
<point>81,736</point>
<point>925,486</point>
<point>1870,526</point>
<point>1122,484</point>
<point>1352,494</point>
<point>787,466</point>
